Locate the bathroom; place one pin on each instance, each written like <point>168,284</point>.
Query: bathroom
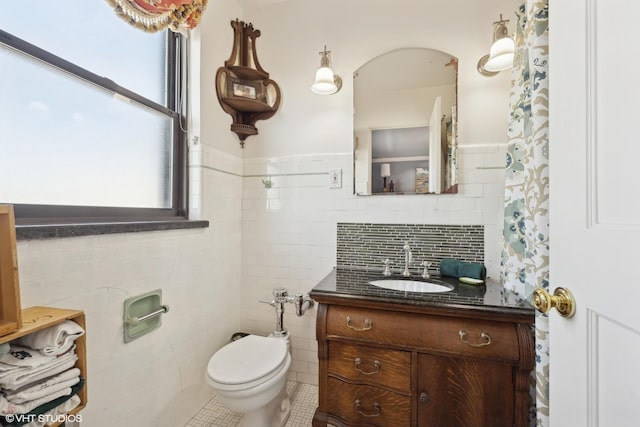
<point>261,238</point>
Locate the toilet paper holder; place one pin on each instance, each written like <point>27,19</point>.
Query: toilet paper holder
<point>142,314</point>
<point>158,312</point>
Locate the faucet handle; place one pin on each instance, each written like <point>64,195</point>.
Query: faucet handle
<point>425,272</point>
<point>387,270</point>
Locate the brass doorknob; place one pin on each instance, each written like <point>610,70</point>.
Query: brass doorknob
<point>562,299</point>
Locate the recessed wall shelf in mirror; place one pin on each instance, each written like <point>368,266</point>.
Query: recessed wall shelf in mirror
<point>243,87</point>
<point>405,123</point>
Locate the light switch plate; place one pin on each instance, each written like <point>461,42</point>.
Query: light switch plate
<point>335,178</point>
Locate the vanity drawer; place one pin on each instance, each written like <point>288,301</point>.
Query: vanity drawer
<point>469,337</point>
<point>370,365</point>
<point>368,405</point>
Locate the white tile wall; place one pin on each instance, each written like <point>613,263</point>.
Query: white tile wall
<point>143,382</point>
<point>289,230</point>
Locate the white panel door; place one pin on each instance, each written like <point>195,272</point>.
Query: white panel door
<point>595,211</point>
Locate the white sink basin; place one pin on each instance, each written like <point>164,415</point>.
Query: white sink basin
<point>411,285</point>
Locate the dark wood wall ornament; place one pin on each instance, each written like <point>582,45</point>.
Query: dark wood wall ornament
<point>243,87</point>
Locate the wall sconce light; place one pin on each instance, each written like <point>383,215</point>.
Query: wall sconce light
<point>385,172</point>
<point>326,82</point>
<point>500,55</point>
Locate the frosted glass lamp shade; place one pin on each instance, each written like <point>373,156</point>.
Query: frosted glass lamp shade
<point>325,82</point>
<point>502,50</point>
<point>385,170</point>
<point>500,55</point>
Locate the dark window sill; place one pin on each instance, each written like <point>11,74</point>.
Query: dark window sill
<point>40,232</point>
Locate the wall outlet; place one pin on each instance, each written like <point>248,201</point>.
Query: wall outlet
<point>335,178</point>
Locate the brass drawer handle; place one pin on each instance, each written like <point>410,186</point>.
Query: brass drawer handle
<point>367,324</point>
<point>376,408</point>
<point>485,337</point>
<point>376,367</point>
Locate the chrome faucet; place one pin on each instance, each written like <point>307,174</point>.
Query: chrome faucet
<point>408,257</point>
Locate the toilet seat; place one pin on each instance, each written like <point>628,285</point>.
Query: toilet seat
<point>247,362</point>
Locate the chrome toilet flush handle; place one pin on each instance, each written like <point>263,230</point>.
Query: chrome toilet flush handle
<point>281,296</point>
<point>368,324</point>
<point>486,338</point>
<point>376,367</point>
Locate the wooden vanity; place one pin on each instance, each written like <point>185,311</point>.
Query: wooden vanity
<point>390,358</point>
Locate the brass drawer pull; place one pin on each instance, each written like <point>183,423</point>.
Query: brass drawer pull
<point>424,397</point>
<point>367,324</point>
<point>376,367</point>
<point>485,337</point>
<point>376,408</point>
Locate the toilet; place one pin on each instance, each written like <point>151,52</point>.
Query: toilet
<point>249,376</point>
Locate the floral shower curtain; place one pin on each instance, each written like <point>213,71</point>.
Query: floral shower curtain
<point>525,257</point>
<point>156,15</point>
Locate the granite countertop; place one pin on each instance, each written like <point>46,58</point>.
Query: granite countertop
<point>354,284</point>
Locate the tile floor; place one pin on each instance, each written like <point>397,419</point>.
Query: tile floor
<point>304,400</point>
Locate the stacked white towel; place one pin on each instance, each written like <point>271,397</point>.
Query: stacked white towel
<point>23,365</point>
<point>62,409</point>
<point>33,376</point>
<point>7,407</point>
<point>33,391</point>
<point>55,340</point>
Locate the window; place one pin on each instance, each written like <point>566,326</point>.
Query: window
<point>91,128</point>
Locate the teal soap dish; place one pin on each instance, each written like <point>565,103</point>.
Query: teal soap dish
<point>470,281</point>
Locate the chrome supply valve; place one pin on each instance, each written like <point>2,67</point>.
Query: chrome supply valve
<point>302,303</point>
<point>280,297</point>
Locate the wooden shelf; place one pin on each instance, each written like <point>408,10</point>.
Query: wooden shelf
<point>247,105</point>
<point>248,72</point>
<point>7,327</point>
<point>9,285</point>
<point>37,318</point>
<point>15,322</point>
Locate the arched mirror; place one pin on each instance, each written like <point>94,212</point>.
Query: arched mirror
<point>405,123</point>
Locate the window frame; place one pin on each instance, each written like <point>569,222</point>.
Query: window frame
<point>176,58</point>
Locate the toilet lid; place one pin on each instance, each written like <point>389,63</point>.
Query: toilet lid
<point>247,359</point>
